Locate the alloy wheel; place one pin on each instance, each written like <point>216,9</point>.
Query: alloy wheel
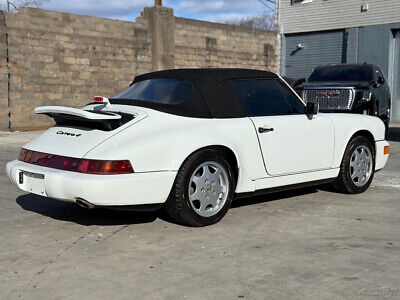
<point>361,165</point>
<point>208,188</point>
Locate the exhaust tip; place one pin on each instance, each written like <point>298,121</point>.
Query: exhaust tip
<point>85,204</point>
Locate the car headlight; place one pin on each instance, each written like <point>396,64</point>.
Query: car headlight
<point>366,96</point>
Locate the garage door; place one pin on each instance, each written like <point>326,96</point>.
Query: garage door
<point>396,79</point>
<point>307,50</point>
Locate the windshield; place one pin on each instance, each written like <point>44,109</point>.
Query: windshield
<point>342,73</point>
<point>159,90</point>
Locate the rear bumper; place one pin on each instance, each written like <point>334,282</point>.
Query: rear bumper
<point>99,190</point>
<point>381,158</point>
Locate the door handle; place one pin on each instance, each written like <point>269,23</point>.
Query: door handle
<point>264,129</point>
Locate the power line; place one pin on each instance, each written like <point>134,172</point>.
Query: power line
<point>268,1</point>
<point>266,5</point>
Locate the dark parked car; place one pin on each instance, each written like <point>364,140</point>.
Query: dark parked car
<point>356,88</point>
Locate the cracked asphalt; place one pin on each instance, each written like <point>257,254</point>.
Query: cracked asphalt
<point>309,244</point>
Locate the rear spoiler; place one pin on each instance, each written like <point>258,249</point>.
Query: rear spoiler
<point>69,116</point>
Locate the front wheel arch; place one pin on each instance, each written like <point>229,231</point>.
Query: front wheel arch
<point>362,132</point>
<point>344,183</point>
<point>366,134</point>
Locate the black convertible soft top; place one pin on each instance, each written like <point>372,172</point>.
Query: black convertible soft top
<point>213,96</point>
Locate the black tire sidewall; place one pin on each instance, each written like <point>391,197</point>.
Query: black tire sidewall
<point>191,165</point>
<point>355,143</point>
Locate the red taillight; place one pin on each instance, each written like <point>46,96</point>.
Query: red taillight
<point>88,166</point>
<point>98,99</point>
<point>105,167</point>
<point>22,154</point>
<point>70,164</point>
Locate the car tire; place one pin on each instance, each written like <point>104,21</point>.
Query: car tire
<point>208,176</point>
<point>357,167</point>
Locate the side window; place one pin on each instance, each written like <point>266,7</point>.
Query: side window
<point>261,97</point>
<point>295,104</point>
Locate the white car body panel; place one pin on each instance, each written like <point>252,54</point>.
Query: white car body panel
<point>100,190</point>
<point>348,124</point>
<point>157,144</point>
<point>380,160</point>
<point>54,142</point>
<point>295,136</point>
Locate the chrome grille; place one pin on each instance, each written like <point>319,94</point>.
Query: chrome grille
<point>330,99</point>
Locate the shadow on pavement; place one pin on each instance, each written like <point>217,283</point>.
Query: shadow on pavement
<point>393,134</point>
<point>71,212</point>
<point>268,197</point>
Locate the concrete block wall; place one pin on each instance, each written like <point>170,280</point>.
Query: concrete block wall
<point>55,58</point>
<point>4,107</point>
<point>207,44</point>
<point>161,22</point>
<point>63,59</point>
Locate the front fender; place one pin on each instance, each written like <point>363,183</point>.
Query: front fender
<point>347,125</point>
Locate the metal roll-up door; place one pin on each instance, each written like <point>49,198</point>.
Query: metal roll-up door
<point>396,79</point>
<point>306,51</point>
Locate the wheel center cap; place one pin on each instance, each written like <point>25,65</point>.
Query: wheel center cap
<point>208,188</point>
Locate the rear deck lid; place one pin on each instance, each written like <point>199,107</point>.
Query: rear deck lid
<point>78,131</point>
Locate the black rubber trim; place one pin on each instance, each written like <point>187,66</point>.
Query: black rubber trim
<point>284,188</point>
<point>139,208</point>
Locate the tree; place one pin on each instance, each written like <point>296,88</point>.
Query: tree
<point>12,5</point>
<point>265,21</point>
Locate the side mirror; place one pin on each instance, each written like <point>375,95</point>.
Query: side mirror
<point>312,108</point>
<point>381,80</point>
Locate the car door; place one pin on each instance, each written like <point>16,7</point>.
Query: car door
<point>290,141</point>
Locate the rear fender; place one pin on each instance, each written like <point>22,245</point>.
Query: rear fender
<point>163,142</point>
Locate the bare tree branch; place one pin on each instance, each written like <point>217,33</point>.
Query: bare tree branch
<point>264,21</point>
<point>13,5</point>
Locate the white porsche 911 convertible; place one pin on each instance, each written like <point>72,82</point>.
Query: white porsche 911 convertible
<point>191,140</point>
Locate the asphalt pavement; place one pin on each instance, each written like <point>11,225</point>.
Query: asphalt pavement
<point>304,244</point>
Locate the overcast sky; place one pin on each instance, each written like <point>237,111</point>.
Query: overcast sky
<point>211,10</point>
